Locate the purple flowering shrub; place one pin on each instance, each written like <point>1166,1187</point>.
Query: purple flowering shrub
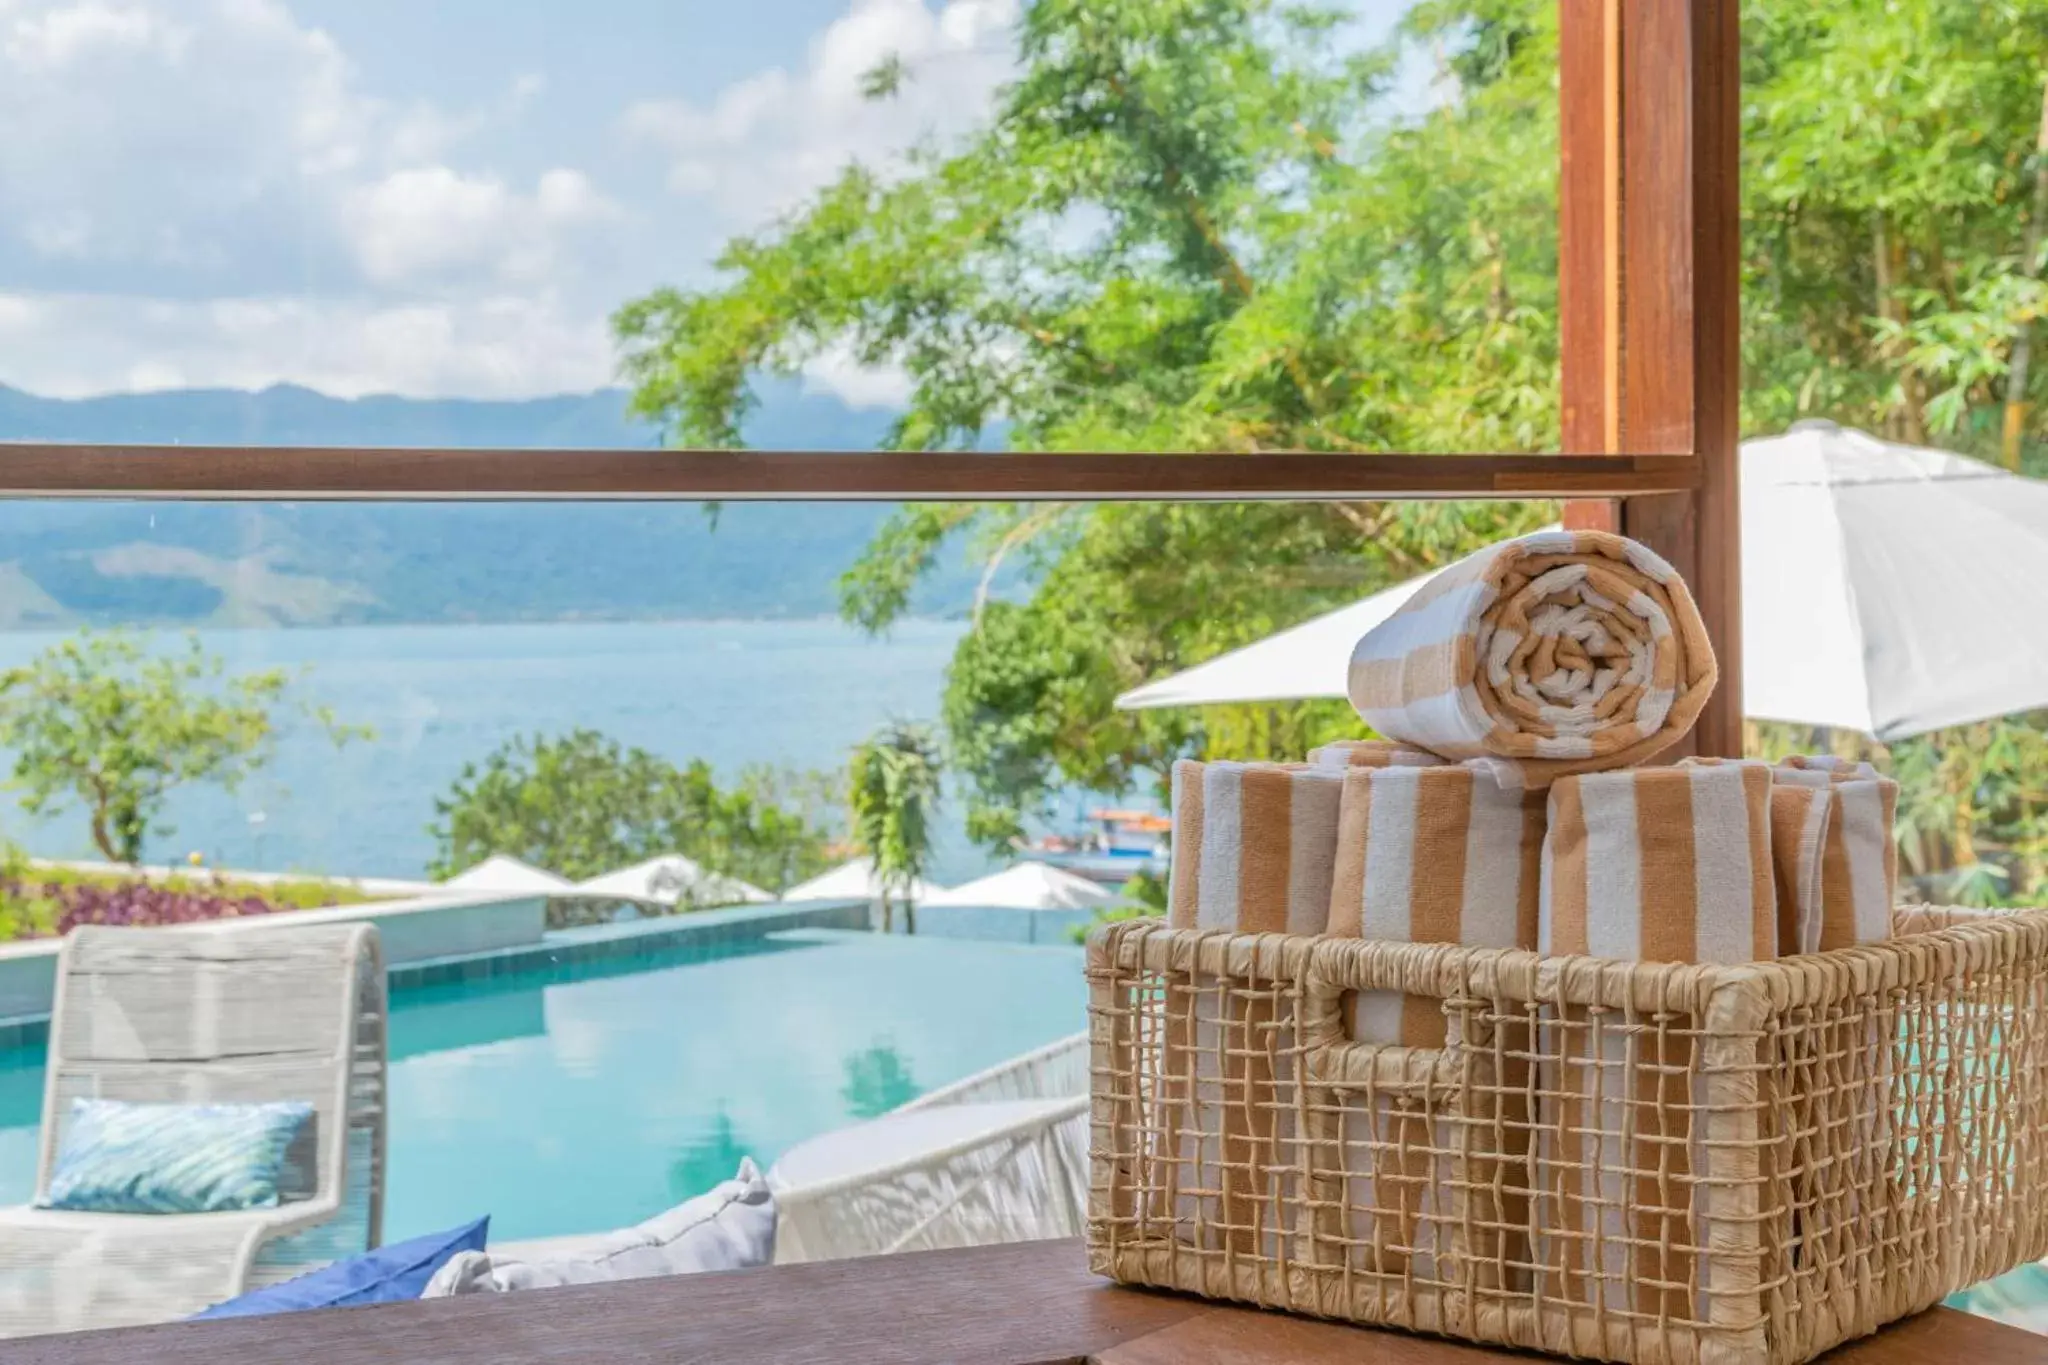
<point>63,906</point>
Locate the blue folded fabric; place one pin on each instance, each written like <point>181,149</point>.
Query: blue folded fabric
<point>391,1274</point>
<point>119,1157</point>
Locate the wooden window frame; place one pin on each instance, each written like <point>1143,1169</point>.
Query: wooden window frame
<point>1649,279</point>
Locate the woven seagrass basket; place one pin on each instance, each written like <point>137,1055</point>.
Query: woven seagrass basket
<point>1657,1164</point>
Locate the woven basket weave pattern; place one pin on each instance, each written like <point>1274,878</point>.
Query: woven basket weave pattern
<point>1657,1164</point>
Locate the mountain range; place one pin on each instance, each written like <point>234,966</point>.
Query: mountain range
<point>66,563</point>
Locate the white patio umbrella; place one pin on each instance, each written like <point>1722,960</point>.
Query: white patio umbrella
<point>503,872</point>
<point>1028,886</point>
<point>853,880</point>
<point>670,880</point>
<point>1886,588</point>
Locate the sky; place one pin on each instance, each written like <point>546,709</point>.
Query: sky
<point>429,197</point>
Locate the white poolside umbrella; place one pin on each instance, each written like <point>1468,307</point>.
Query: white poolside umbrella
<point>1027,886</point>
<point>854,880</point>
<point>503,872</point>
<point>670,880</point>
<point>1886,589</point>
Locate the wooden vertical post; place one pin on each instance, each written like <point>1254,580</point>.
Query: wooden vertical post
<point>1649,287</point>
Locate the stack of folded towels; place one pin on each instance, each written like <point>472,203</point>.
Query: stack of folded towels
<point>1524,694</point>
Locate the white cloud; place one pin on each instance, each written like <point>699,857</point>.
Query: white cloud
<point>502,345</point>
<point>213,192</point>
<point>63,37</point>
<point>861,387</point>
<point>436,221</point>
<point>209,192</point>
<point>769,140</point>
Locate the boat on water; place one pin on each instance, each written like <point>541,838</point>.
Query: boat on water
<point>1121,844</point>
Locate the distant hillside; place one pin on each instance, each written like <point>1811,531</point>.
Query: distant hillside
<point>318,564</point>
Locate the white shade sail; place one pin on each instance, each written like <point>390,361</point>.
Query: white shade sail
<point>1886,589</point>
<point>1028,886</point>
<point>853,880</point>
<point>671,880</point>
<point>503,872</point>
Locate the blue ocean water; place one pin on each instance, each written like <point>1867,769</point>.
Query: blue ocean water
<point>796,694</point>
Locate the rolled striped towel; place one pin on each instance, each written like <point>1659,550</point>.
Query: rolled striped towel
<point>1654,865</point>
<point>1371,753</point>
<point>1254,848</point>
<point>1558,653</point>
<point>1424,855</point>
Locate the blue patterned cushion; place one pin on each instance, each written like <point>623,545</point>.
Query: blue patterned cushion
<point>174,1158</point>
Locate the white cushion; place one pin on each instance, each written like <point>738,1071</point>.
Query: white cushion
<point>731,1227</point>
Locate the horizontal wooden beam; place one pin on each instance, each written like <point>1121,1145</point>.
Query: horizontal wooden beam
<point>314,473</point>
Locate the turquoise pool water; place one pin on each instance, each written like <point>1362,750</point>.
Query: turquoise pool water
<point>590,1096</point>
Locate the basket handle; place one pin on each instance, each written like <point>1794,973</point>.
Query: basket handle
<point>1427,1075</point>
<point>1337,968</point>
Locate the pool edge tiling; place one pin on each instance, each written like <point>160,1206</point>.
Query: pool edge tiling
<point>633,938</point>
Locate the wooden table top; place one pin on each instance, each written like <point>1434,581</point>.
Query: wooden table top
<point>1033,1304</point>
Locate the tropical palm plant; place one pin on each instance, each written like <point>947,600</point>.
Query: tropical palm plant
<point>893,793</point>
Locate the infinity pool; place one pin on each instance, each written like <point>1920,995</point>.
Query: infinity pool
<point>590,1096</point>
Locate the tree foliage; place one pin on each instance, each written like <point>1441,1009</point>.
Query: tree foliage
<point>1185,227</point>
<point>1198,224</point>
<point>893,793</point>
<point>100,720</point>
<point>582,804</point>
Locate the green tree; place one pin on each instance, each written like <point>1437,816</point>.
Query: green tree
<point>582,804</point>
<point>101,720</point>
<point>1894,208</point>
<point>893,791</point>
<point>1185,226</point>
<point>1196,224</point>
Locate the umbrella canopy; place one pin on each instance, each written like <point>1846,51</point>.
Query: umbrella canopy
<point>503,872</point>
<point>853,881</point>
<point>671,880</point>
<point>1886,589</point>
<point>1028,886</point>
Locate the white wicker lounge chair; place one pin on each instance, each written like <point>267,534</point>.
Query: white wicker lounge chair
<point>192,1016</point>
<point>999,1157</point>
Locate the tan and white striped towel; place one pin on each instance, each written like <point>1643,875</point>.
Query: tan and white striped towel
<point>1561,652</point>
<point>1254,846</point>
<point>1372,753</point>
<point>1849,1067</point>
<point>1661,865</point>
<point>1800,811</point>
<point>1831,843</point>
<point>1654,865</point>
<point>1860,858</point>
<point>1254,849</point>
<point>1432,855</point>
<point>1424,855</point>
